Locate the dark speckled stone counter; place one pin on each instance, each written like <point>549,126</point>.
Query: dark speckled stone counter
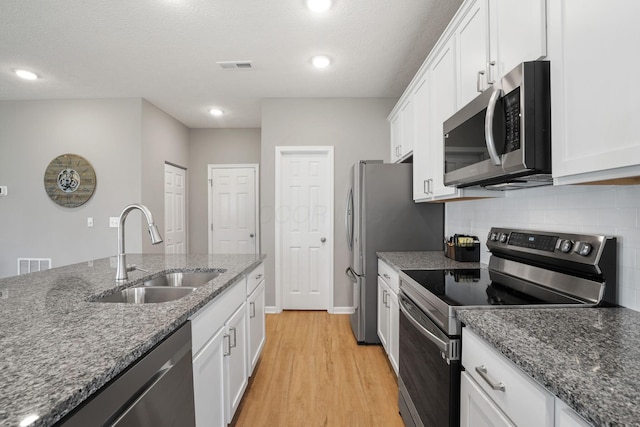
<point>423,260</point>
<point>589,357</point>
<point>57,347</point>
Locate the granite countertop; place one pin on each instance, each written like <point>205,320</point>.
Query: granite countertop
<point>57,347</point>
<point>423,260</point>
<point>588,357</point>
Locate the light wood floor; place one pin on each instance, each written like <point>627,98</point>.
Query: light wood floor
<point>312,373</point>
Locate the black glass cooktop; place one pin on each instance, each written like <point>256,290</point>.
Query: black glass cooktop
<point>474,287</point>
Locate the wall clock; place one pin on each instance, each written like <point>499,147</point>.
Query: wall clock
<point>70,180</point>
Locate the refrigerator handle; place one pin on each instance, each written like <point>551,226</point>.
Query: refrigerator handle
<point>348,219</point>
<point>351,275</point>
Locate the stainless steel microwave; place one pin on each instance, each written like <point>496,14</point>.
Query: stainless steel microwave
<point>502,139</point>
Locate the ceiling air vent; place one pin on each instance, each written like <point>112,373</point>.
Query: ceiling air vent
<point>235,65</point>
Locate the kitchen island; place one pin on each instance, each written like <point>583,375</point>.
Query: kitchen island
<point>58,346</point>
<point>588,357</point>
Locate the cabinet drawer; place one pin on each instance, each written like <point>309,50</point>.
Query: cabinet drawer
<point>254,278</point>
<point>389,275</point>
<point>212,316</point>
<point>522,399</point>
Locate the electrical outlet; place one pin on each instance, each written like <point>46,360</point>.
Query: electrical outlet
<point>3,190</point>
<point>90,221</point>
<point>113,221</point>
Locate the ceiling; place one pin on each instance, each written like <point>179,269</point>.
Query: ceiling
<point>166,51</point>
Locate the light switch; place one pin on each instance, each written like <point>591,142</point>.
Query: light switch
<point>3,190</point>
<point>90,221</point>
<point>113,221</point>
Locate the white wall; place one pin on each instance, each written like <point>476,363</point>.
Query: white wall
<point>32,133</point>
<point>609,210</point>
<point>214,146</point>
<point>163,139</point>
<point>356,127</point>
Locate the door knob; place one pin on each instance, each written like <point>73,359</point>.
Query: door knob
<point>323,239</point>
<point>251,235</point>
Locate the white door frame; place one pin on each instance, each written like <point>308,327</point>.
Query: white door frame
<point>280,152</point>
<point>256,168</point>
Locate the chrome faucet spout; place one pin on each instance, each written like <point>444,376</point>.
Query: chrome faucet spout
<point>121,268</point>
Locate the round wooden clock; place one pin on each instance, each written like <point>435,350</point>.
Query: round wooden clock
<point>70,180</point>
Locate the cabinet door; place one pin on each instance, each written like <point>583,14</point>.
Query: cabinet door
<point>255,316</point>
<point>422,167</point>
<point>383,313</point>
<point>476,409</point>
<point>593,116</point>
<point>472,51</point>
<point>396,136</point>
<point>208,383</point>
<point>394,330</point>
<point>517,34</point>
<point>408,131</point>
<point>443,104</point>
<point>236,376</point>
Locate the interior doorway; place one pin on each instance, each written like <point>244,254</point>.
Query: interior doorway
<point>233,209</point>
<point>304,228</point>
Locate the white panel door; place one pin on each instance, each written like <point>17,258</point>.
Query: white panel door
<point>232,209</point>
<point>304,216</point>
<point>175,210</point>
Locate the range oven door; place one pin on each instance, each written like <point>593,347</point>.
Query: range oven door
<point>429,373</point>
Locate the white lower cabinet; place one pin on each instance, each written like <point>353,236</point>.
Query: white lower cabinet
<point>208,383</point>
<point>389,312</point>
<point>256,324</point>
<point>227,336</point>
<point>236,373</point>
<point>394,331</point>
<point>383,313</point>
<point>495,392</point>
<point>476,409</point>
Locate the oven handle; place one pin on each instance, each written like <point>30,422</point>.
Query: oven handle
<point>442,345</point>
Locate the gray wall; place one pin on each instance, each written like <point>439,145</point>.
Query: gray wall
<point>164,139</point>
<point>356,127</point>
<point>32,133</point>
<point>214,146</point>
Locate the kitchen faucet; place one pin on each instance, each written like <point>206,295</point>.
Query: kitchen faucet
<point>121,269</point>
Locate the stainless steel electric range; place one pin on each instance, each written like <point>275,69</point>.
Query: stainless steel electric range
<point>527,269</point>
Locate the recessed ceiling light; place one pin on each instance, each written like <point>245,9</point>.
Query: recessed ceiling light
<point>320,61</point>
<point>216,112</point>
<point>26,74</point>
<point>319,6</point>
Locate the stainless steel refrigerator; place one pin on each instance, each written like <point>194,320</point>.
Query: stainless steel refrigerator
<point>381,216</point>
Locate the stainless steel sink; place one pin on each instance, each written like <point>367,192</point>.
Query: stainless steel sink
<point>183,278</point>
<point>148,294</point>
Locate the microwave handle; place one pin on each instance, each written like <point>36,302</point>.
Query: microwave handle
<point>488,127</point>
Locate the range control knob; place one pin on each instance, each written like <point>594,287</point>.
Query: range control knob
<point>583,248</point>
<point>565,246</point>
<point>503,237</point>
<point>493,237</point>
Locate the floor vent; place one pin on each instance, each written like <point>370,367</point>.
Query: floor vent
<point>29,265</point>
<point>235,65</point>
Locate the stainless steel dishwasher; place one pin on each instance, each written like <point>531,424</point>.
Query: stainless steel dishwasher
<point>156,391</point>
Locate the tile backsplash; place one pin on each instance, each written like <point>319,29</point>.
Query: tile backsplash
<point>608,210</point>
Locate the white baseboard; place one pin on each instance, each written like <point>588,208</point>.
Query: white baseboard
<point>342,310</point>
<point>271,309</point>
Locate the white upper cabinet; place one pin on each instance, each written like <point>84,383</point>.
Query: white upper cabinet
<point>472,52</point>
<point>593,51</point>
<point>421,149</point>
<point>402,132</point>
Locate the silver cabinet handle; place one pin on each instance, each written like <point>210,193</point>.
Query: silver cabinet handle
<point>323,239</point>
<point>482,371</point>
<point>252,310</point>
<point>386,276</point>
<point>478,85</point>
<point>227,351</point>
<point>490,73</point>
<point>384,298</point>
<point>488,127</point>
<point>258,276</point>
<point>426,186</point>
<point>234,339</point>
